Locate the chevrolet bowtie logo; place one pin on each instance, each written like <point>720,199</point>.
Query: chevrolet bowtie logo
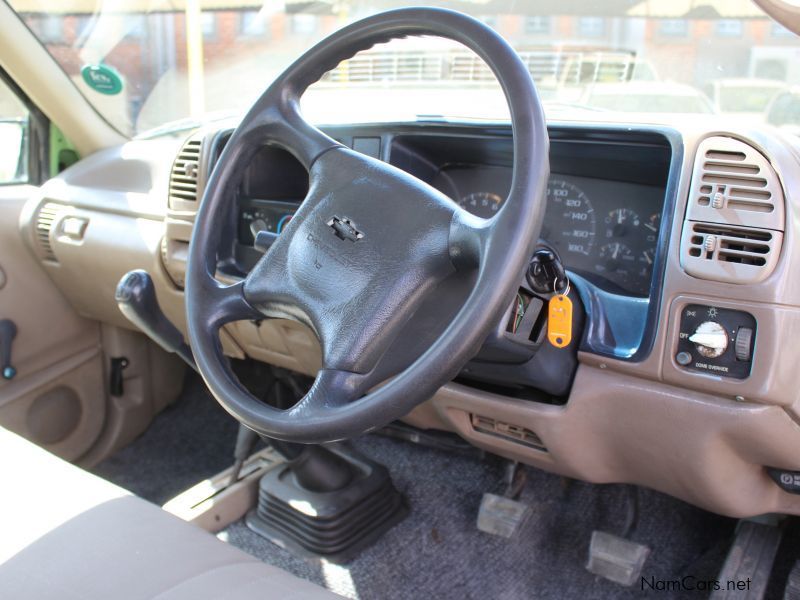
<point>344,229</point>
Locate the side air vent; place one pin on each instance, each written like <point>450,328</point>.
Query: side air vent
<point>45,220</point>
<point>183,179</point>
<point>728,253</point>
<point>734,184</point>
<point>735,217</point>
<point>512,433</point>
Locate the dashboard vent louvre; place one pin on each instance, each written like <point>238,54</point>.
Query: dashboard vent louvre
<point>729,253</point>
<point>513,433</point>
<point>45,220</point>
<point>734,184</point>
<point>183,179</point>
<point>735,217</point>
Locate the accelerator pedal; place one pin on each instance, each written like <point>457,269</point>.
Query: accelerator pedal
<point>792,590</point>
<point>745,574</point>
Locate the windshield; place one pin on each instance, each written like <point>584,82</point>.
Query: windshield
<point>146,64</point>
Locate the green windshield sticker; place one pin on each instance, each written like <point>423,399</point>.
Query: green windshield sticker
<point>102,78</point>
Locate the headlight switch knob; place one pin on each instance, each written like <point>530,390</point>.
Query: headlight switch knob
<point>710,338</point>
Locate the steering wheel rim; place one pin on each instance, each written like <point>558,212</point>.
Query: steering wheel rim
<point>340,259</point>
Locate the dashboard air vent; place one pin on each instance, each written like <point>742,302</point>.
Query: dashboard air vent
<point>183,179</point>
<point>734,184</point>
<point>512,433</point>
<point>735,216</point>
<point>728,253</point>
<point>45,220</point>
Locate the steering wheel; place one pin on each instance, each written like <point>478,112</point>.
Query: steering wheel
<point>399,283</point>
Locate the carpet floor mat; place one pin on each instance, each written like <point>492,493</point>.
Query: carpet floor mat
<point>190,440</point>
<point>437,551</point>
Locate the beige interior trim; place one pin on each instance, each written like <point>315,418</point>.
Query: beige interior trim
<point>49,87</point>
<point>619,429</point>
<point>213,505</point>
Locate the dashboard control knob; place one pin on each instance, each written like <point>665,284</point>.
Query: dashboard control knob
<point>710,338</point>
<point>258,225</point>
<point>743,343</point>
<point>683,359</point>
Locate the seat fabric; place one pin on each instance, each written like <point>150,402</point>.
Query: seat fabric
<point>65,533</point>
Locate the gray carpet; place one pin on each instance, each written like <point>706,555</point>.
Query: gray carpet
<point>437,552</point>
<point>189,441</point>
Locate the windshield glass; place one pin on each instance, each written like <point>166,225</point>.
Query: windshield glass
<point>146,64</point>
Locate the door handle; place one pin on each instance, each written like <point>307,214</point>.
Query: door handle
<point>8,331</point>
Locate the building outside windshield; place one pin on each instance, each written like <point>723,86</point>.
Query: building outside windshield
<point>196,60</point>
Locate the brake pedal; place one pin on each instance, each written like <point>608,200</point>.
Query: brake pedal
<point>502,516</point>
<point>615,558</point>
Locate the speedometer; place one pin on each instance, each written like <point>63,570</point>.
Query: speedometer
<point>569,222</point>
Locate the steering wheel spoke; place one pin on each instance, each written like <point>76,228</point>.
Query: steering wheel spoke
<point>226,303</point>
<point>469,236</point>
<point>332,389</point>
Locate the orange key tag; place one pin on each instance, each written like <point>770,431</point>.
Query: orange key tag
<point>559,320</point>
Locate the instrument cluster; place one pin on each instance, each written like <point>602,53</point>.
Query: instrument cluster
<point>604,230</point>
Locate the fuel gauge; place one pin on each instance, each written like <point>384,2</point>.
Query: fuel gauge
<point>652,226</point>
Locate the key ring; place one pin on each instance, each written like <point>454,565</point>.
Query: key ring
<point>566,288</point>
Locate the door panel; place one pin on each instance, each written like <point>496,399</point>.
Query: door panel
<point>58,396</point>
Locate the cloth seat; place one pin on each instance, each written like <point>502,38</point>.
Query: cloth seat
<point>67,534</point>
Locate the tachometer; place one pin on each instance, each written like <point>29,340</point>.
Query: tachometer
<point>482,204</point>
<point>569,222</point>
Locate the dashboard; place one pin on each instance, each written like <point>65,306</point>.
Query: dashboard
<point>605,228</point>
<point>680,241</point>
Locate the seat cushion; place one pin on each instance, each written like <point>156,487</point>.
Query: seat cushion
<point>65,533</point>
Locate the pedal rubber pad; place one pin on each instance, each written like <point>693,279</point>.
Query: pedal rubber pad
<point>747,568</point>
<point>615,558</point>
<point>792,591</point>
<point>502,516</point>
